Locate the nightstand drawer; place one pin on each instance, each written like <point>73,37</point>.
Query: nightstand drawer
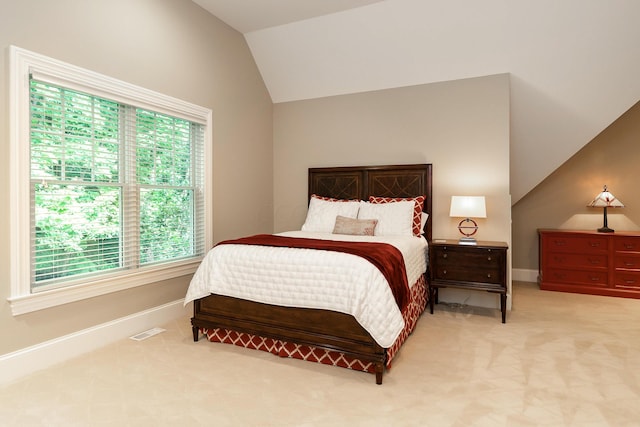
<point>449,256</point>
<point>465,274</point>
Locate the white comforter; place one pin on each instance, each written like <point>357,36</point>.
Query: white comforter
<point>312,279</point>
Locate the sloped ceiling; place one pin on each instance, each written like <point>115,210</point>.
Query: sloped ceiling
<point>251,15</point>
<point>574,64</point>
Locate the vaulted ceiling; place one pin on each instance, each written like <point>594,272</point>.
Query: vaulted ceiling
<point>574,64</point>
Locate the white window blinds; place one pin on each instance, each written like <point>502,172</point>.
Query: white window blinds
<point>114,187</point>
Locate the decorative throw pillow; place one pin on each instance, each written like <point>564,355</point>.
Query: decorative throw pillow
<point>356,227</point>
<point>321,216</point>
<point>417,212</point>
<point>394,219</point>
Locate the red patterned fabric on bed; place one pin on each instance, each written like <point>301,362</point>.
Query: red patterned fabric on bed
<point>410,314</point>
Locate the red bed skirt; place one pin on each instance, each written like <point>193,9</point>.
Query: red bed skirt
<point>411,314</point>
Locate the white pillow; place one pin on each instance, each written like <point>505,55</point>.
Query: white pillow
<point>394,219</point>
<point>423,221</point>
<point>321,216</point>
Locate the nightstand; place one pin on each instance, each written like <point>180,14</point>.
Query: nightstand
<point>481,267</point>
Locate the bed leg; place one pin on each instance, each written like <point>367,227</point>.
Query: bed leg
<point>379,372</point>
<point>196,333</point>
<point>432,297</point>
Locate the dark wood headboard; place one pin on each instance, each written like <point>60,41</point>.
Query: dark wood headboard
<point>360,182</point>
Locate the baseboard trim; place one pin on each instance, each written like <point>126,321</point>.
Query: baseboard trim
<point>18,364</point>
<point>523,275</point>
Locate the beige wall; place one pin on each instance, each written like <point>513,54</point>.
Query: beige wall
<point>462,127</point>
<point>560,201</point>
<point>170,46</point>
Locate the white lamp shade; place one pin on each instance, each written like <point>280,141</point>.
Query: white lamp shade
<point>468,207</point>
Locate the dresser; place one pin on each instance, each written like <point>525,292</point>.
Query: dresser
<point>589,262</point>
<point>481,267</point>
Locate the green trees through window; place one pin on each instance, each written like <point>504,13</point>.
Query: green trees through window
<point>113,186</point>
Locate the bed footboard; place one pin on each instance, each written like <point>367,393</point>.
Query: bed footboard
<point>322,329</point>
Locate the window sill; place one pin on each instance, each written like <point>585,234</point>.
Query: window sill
<point>23,304</point>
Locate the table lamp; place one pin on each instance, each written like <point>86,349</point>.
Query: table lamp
<point>468,207</point>
<point>605,200</point>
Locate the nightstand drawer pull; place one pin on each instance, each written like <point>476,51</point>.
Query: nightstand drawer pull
<point>489,276</point>
<point>444,271</point>
<point>444,256</point>
<point>488,258</point>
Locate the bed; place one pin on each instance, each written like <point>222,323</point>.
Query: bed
<point>329,336</point>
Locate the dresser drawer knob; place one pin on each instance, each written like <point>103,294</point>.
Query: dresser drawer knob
<point>488,258</point>
<point>444,271</point>
<point>444,256</point>
<point>489,276</point>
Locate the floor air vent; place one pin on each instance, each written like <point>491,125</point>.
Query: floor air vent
<point>146,334</point>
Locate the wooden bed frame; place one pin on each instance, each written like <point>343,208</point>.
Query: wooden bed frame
<point>323,329</point>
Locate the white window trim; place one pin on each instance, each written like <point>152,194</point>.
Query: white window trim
<point>22,63</point>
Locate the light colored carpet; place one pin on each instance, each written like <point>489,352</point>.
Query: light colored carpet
<point>560,360</point>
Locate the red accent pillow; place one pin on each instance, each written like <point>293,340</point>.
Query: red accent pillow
<point>417,210</point>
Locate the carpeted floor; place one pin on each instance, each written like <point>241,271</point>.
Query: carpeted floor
<point>560,360</point>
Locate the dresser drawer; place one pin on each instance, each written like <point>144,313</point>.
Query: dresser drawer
<point>627,280</point>
<point>629,261</point>
<point>568,260</point>
<point>578,277</point>
<point>575,243</point>
<point>626,244</point>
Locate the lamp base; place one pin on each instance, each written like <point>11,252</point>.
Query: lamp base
<point>467,231</point>
<point>605,225</point>
<point>467,241</point>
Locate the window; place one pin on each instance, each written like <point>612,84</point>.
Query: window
<point>108,181</point>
